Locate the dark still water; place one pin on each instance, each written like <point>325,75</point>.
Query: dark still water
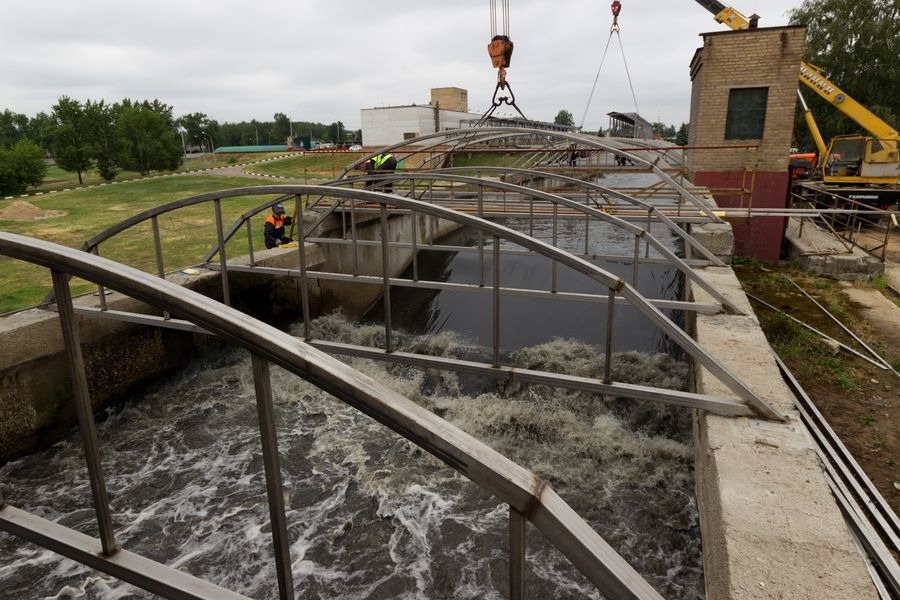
<point>369,514</point>
<point>528,321</point>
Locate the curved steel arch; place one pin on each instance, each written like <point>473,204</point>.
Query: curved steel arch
<point>610,144</point>
<point>528,496</point>
<point>613,283</point>
<point>444,175</point>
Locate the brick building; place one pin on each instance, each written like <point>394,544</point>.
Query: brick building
<point>743,102</point>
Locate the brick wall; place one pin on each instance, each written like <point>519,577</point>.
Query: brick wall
<point>750,58</point>
<point>768,57</point>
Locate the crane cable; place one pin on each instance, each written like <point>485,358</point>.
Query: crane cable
<point>500,50</point>
<point>615,7</point>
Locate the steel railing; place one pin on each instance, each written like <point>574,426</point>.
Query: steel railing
<point>529,498</point>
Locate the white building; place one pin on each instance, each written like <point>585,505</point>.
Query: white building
<point>383,126</point>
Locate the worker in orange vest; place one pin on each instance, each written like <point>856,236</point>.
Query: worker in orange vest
<point>274,228</point>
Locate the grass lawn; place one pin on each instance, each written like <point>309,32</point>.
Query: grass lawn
<point>187,233</point>
<point>58,179</point>
<point>309,166</point>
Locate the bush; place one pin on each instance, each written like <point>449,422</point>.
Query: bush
<point>21,166</point>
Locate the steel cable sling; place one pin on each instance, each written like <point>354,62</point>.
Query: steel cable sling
<point>616,7</point>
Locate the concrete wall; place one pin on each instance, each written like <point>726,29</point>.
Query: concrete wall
<point>771,527</point>
<point>749,58</point>
<point>450,98</point>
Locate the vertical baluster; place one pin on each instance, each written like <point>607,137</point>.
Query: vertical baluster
<point>496,301</point>
<point>274,488</point>
<point>250,244</point>
<point>415,246</point>
<point>101,291</point>
<point>304,282</point>
<point>223,263</point>
<point>386,276</point>
<point>480,238</point>
<point>637,260</point>
<point>157,245</point>
<point>555,245</point>
<point>82,400</point>
<point>516,554</point>
<point>610,313</point>
<point>353,237</point>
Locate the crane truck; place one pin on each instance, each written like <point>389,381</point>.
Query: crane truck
<point>865,168</point>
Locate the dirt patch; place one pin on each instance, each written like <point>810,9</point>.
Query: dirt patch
<point>860,401</point>
<point>20,210</point>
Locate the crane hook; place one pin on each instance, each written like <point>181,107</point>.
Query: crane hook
<point>616,6</point>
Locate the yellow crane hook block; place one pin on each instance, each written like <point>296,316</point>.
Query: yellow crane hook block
<point>500,49</point>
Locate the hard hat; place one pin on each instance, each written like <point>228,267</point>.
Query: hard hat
<point>278,209</point>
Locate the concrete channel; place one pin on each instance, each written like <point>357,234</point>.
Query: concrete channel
<point>770,526</point>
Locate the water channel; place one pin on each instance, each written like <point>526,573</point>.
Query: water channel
<point>369,514</point>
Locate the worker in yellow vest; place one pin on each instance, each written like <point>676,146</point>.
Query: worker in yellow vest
<point>380,162</point>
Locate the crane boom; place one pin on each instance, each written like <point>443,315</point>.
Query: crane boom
<point>812,77</point>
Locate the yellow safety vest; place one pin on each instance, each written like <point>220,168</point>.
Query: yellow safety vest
<point>380,159</point>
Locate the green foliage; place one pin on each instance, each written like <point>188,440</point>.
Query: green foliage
<point>681,138</point>
<point>564,118</point>
<point>856,44</point>
<point>71,146</point>
<point>148,136</point>
<point>866,419</point>
<point>21,166</point>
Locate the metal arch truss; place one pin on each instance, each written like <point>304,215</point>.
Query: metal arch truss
<point>529,497</point>
<point>612,290</point>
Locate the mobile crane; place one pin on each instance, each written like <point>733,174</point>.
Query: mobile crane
<point>862,167</point>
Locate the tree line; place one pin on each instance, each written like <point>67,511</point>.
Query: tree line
<point>141,136</point>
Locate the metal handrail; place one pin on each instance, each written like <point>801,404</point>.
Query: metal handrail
<point>528,496</point>
<point>613,283</point>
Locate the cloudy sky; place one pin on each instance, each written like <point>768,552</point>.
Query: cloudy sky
<point>324,60</point>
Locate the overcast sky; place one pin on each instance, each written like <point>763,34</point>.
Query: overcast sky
<point>324,60</point>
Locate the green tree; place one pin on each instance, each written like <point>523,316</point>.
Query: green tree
<point>195,125</point>
<point>856,44</point>
<point>104,137</point>
<point>149,138</point>
<point>71,142</point>
<point>13,127</point>
<point>21,165</point>
<point>281,128</point>
<point>681,138</point>
<point>564,118</point>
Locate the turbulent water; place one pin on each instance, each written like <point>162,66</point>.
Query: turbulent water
<point>369,514</point>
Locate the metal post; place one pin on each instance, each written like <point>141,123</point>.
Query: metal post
<point>480,215</point>
<point>160,270</point>
<point>554,242</point>
<point>415,246</point>
<point>304,282</point>
<point>516,554</point>
<point>496,299</point>
<point>274,488</point>
<point>100,289</point>
<point>223,263</point>
<point>157,245</point>
<point>353,236</point>
<point>610,311</point>
<point>637,259</point>
<point>83,408</point>
<point>386,276</point>
<point>587,233</point>
<point>649,225</point>
<point>531,216</point>
<point>250,244</point>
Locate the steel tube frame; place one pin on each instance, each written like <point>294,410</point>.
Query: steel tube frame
<point>82,399</point>
<point>490,470</point>
<point>223,261</point>
<point>262,384</point>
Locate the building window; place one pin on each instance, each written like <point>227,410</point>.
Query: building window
<point>409,135</point>
<point>746,113</point>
